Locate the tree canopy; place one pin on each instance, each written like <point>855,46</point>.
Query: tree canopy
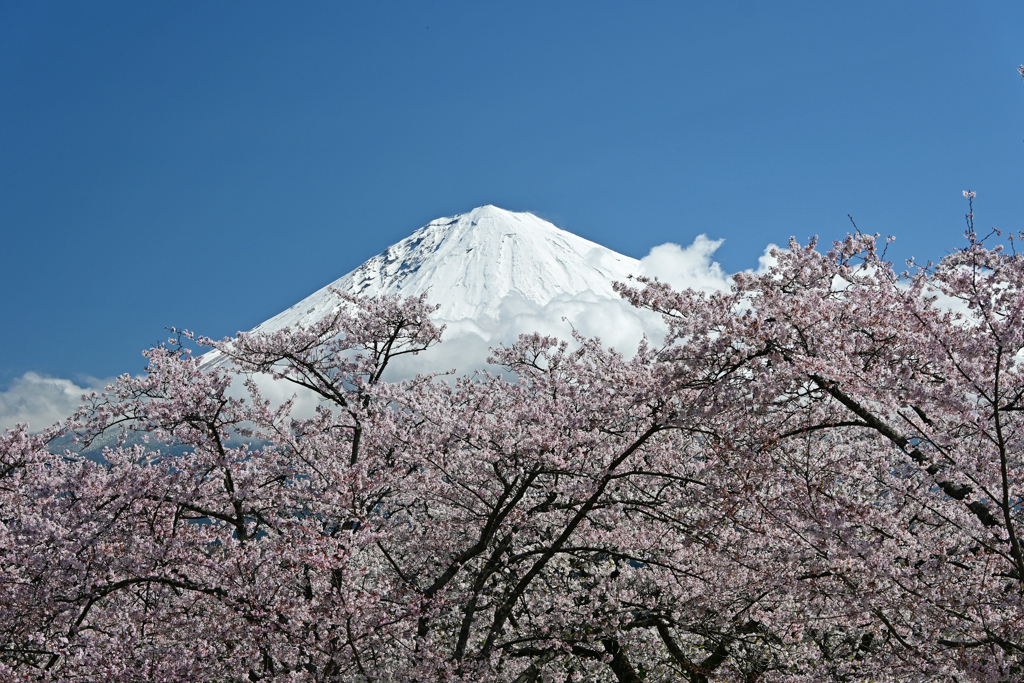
<point>816,477</point>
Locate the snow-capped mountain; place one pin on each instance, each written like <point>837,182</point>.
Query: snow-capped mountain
<point>473,265</point>
<point>496,274</point>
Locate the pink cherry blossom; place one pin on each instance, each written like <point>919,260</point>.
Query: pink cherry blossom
<point>817,477</point>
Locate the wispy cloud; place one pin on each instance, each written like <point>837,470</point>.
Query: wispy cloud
<point>40,401</point>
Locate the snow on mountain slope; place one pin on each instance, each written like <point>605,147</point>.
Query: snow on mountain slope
<point>472,264</point>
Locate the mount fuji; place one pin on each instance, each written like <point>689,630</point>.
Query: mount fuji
<point>497,274</point>
<point>474,265</point>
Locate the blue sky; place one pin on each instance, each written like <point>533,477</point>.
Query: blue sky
<point>206,165</point>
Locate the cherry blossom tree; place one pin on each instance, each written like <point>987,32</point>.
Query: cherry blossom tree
<point>816,477</point>
<point>881,419</point>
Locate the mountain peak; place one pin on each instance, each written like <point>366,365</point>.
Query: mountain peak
<point>473,263</point>
<point>487,210</point>
<point>481,225</point>
<point>489,213</point>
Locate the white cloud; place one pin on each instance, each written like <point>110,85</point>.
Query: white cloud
<point>466,345</point>
<point>766,260</point>
<point>689,268</point>
<point>40,401</point>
